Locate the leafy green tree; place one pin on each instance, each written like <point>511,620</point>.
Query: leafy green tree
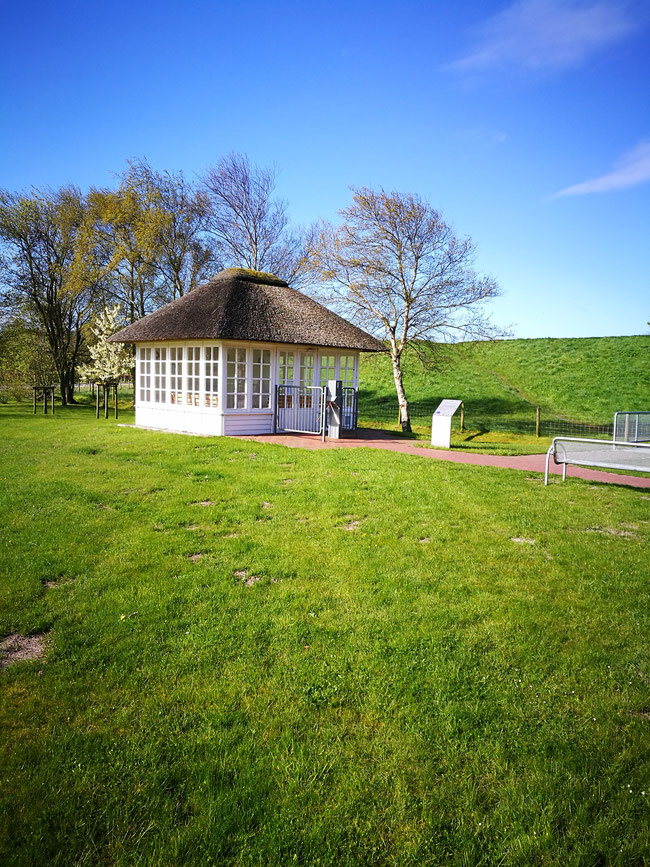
<point>118,230</point>
<point>47,278</point>
<point>173,226</point>
<point>396,267</point>
<point>25,359</point>
<point>150,235</point>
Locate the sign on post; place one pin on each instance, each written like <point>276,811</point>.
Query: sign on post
<point>441,423</point>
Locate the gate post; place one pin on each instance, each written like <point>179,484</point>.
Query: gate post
<point>335,400</point>
<point>275,411</point>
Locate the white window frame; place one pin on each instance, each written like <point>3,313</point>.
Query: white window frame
<point>159,390</point>
<point>176,376</point>
<point>348,373</point>
<point>144,377</point>
<point>193,361</point>
<point>286,364</point>
<point>240,357</point>
<point>329,370</point>
<point>305,401</point>
<point>211,380</point>
<point>261,370</point>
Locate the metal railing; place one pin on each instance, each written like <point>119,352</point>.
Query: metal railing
<point>632,426</point>
<point>350,409</point>
<point>597,453</point>
<point>300,409</point>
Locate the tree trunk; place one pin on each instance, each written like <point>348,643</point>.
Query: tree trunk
<point>70,388</point>
<point>405,421</point>
<point>62,388</point>
<point>66,385</point>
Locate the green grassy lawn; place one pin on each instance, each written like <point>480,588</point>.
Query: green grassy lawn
<point>578,379</point>
<point>401,682</point>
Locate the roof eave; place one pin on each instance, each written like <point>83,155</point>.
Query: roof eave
<point>115,338</point>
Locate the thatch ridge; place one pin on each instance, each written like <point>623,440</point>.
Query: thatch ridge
<point>238,304</point>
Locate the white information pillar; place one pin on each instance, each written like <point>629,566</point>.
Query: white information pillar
<point>335,408</point>
<point>441,423</point>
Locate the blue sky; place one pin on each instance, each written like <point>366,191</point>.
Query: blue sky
<point>526,124</point>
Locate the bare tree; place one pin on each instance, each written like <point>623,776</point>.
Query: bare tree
<point>399,270</point>
<point>250,226</point>
<point>46,277</point>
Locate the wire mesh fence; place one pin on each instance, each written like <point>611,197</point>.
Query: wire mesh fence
<point>385,411</point>
<point>632,427</point>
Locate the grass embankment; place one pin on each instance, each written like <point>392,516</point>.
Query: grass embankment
<point>580,379</point>
<point>431,663</point>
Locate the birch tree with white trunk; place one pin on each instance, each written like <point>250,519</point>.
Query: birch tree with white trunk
<point>396,268</point>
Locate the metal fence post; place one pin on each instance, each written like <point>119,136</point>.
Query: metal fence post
<point>275,411</point>
<point>537,420</point>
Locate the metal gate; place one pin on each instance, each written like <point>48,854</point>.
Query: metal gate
<point>304,409</point>
<point>300,409</point>
<point>349,409</point>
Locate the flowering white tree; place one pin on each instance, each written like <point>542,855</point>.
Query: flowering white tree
<point>110,361</point>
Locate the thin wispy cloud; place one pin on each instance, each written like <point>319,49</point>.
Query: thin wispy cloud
<point>632,169</point>
<point>542,36</point>
<point>481,135</point>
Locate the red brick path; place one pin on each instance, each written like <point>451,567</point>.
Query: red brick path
<point>377,439</point>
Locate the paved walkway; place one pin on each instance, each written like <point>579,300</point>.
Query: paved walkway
<point>378,439</point>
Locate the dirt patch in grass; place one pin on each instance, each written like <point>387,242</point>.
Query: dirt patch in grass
<point>51,581</point>
<point>195,557</point>
<point>204,503</point>
<point>640,714</point>
<point>20,648</point>
<point>610,531</point>
<point>352,524</point>
<point>425,540</point>
<point>246,578</point>
<point>522,540</point>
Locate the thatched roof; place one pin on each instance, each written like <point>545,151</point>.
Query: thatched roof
<point>248,305</point>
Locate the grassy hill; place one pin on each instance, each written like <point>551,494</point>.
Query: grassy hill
<point>578,379</point>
